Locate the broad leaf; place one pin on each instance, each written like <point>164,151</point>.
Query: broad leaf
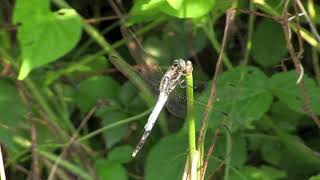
<point>44,36</point>
<point>283,85</point>
<point>176,4</point>
<point>91,90</point>
<point>189,8</point>
<point>166,159</point>
<point>13,112</point>
<point>121,154</point>
<point>243,94</point>
<point>110,171</point>
<point>268,43</point>
<point>262,173</point>
<point>113,135</point>
<point>11,104</point>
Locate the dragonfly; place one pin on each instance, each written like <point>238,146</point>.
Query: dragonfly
<point>151,73</point>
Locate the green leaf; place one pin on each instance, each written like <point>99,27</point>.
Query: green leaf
<point>93,89</point>
<point>283,85</point>
<point>87,65</point>
<point>176,36</point>
<point>110,171</point>
<point>238,152</point>
<point>220,8</point>
<point>121,154</point>
<point>242,93</point>
<point>11,105</point>
<point>189,8</point>
<point>114,135</point>
<point>272,151</point>
<point>182,39</point>
<point>273,7</point>
<point>317,11</point>
<point>44,36</point>
<point>145,10</point>
<point>167,158</point>
<point>268,43</point>
<point>176,8</point>
<point>176,4</point>
<point>263,173</point>
<point>142,6</point>
<point>8,140</point>
<point>131,100</point>
<point>284,117</point>
<point>316,177</point>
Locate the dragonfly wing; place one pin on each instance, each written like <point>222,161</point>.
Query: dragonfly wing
<point>177,102</point>
<point>151,121</point>
<point>143,59</point>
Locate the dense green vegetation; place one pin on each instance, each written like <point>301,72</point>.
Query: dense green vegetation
<point>68,112</point>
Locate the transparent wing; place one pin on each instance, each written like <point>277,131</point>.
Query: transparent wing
<point>177,102</point>
<point>148,66</point>
<point>135,76</point>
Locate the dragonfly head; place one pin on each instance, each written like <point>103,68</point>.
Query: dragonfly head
<point>180,64</point>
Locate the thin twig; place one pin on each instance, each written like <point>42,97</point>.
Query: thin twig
<point>296,62</point>
<point>229,21</point>
<point>313,28</point>
<point>35,157</point>
<point>71,141</point>
<point>99,19</point>
<point>212,146</point>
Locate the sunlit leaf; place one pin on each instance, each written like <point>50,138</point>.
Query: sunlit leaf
<point>176,4</point>
<point>189,8</point>
<point>316,177</point>
<point>44,36</point>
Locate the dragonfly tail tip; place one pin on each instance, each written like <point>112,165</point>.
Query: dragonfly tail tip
<point>134,153</point>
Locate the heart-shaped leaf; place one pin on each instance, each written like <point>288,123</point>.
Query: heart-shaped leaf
<point>44,36</point>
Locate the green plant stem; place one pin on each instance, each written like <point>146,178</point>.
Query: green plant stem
<point>191,117</point>
<point>228,155</point>
<point>315,57</point>
<point>65,164</point>
<point>45,106</point>
<point>208,29</point>
<point>113,125</point>
<point>250,32</point>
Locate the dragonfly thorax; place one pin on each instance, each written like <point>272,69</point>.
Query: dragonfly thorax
<point>172,76</point>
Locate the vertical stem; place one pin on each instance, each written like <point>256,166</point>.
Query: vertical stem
<point>315,56</point>
<point>228,154</point>
<point>216,44</point>
<point>250,31</point>
<point>2,172</point>
<point>190,117</point>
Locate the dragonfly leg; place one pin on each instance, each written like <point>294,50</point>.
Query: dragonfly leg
<point>182,83</point>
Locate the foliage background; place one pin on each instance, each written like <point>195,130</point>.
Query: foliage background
<point>66,112</point>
